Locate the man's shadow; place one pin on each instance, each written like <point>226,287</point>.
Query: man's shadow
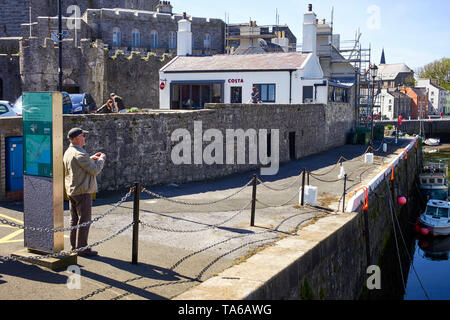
<point>30,272</point>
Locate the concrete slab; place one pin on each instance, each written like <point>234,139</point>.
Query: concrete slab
<point>29,256</point>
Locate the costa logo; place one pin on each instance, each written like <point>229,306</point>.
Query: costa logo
<point>235,80</point>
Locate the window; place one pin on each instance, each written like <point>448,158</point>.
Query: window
<point>266,92</point>
<point>117,37</point>
<point>308,94</point>
<point>207,41</point>
<point>154,39</point>
<point>436,212</point>
<point>195,95</point>
<point>172,40</point>
<point>3,109</point>
<point>390,108</point>
<point>338,94</point>
<point>136,38</point>
<point>431,180</point>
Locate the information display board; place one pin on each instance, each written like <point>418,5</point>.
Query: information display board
<point>37,132</point>
<point>43,170</point>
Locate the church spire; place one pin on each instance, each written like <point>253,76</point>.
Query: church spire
<point>383,58</point>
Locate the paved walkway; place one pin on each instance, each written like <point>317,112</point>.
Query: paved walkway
<point>181,245</point>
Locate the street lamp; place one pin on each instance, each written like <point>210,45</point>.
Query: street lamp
<point>373,74</point>
<point>60,38</point>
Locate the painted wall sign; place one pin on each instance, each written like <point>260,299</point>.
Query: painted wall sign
<point>235,80</point>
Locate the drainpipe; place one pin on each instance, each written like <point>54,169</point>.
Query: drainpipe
<point>290,87</point>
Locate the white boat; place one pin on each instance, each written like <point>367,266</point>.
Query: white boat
<point>433,181</point>
<point>432,142</point>
<point>435,220</point>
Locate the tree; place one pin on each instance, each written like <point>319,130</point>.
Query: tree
<point>437,70</point>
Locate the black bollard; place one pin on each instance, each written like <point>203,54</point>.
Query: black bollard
<point>303,188</point>
<point>137,192</point>
<point>345,193</point>
<point>255,183</point>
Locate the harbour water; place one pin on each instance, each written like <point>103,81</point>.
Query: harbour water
<point>429,272</point>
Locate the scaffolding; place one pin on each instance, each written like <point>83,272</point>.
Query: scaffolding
<point>360,58</point>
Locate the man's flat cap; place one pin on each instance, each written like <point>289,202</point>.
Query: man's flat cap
<point>75,132</point>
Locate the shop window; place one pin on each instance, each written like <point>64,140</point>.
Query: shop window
<point>195,95</point>
<point>266,92</point>
<point>117,37</point>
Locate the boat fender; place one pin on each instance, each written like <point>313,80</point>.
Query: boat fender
<point>401,201</point>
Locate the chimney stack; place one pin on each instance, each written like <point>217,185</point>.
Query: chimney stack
<point>309,31</point>
<point>184,37</point>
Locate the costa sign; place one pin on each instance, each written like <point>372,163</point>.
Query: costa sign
<point>162,85</point>
<point>235,80</point>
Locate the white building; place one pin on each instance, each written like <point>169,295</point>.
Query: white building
<point>437,96</point>
<point>281,78</point>
<point>393,104</point>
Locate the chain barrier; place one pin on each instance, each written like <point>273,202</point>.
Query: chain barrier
<point>78,226</point>
<point>280,205</point>
<point>279,189</point>
<point>331,170</point>
<point>64,254</point>
<point>195,230</point>
<point>195,203</point>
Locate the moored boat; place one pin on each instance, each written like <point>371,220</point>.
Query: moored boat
<point>432,142</point>
<point>435,220</point>
<point>433,181</point>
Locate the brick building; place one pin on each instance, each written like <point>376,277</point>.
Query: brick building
<point>419,101</point>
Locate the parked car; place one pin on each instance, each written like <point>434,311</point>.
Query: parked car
<point>7,110</point>
<point>67,104</point>
<point>83,103</point>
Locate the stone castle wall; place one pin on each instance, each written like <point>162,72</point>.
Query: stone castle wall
<point>134,77</point>
<point>13,13</point>
<point>9,77</point>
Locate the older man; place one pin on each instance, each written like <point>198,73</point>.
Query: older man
<point>80,172</point>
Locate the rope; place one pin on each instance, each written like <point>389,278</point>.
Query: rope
<point>395,236</point>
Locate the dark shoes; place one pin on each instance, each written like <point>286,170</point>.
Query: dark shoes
<point>88,253</point>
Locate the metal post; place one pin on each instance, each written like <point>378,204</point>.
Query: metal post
<point>137,192</point>
<point>303,187</point>
<point>255,183</point>
<point>60,38</point>
<point>345,193</point>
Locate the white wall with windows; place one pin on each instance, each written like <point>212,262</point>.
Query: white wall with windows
<point>192,89</point>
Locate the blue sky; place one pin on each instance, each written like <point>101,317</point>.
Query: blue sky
<point>412,31</point>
